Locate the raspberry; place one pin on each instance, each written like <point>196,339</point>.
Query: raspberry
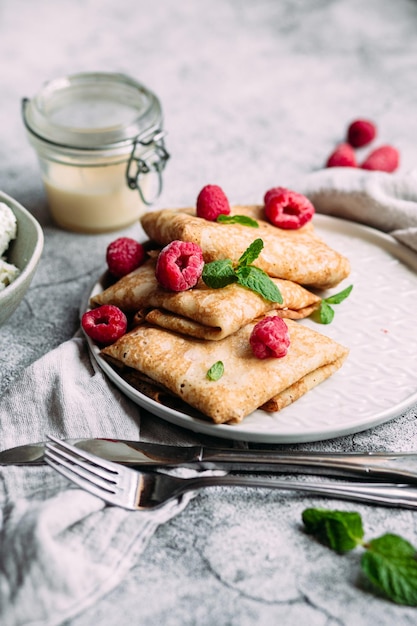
<point>342,156</point>
<point>384,159</point>
<point>360,133</point>
<point>287,209</point>
<point>105,324</point>
<point>211,202</point>
<point>270,338</point>
<point>274,191</point>
<point>124,255</point>
<point>179,265</point>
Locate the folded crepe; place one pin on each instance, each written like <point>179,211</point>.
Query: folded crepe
<point>296,255</point>
<point>180,364</point>
<point>201,312</point>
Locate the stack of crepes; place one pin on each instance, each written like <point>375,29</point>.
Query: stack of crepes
<point>178,336</point>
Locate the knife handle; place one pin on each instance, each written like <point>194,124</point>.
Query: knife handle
<point>400,467</point>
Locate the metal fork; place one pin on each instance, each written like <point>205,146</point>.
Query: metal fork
<point>139,491</point>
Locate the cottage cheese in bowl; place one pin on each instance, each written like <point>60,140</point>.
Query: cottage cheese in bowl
<point>8,231</point>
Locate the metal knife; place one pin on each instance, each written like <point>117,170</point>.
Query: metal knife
<point>392,467</point>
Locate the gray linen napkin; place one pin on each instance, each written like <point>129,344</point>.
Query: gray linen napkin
<point>63,549</point>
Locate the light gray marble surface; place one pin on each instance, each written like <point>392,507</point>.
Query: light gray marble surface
<point>254,94</point>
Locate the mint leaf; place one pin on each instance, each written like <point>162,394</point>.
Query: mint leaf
<point>219,273</point>
<point>216,371</point>
<point>390,564</point>
<point>237,219</point>
<point>258,281</point>
<point>339,297</point>
<point>324,314</point>
<point>251,253</point>
<point>339,530</point>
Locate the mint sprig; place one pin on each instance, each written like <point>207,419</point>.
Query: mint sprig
<point>389,562</point>
<point>325,313</point>
<point>237,219</point>
<point>221,273</point>
<point>216,371</point>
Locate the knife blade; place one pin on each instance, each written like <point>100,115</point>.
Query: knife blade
<point>395,467</point>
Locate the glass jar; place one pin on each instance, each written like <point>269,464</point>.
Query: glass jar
<point>100,144</point>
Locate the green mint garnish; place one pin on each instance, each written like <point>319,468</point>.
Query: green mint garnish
<point>325,313</point>
<point>237,219</point>
<point>257,280</point>
<point>219,274</point>
<point>251,253</point>
<point>339,297</point>
<point>339,530</point>
<point>389,562</point>
<point>216,371</point>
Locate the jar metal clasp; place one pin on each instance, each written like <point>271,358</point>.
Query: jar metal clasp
<point>148,155</point>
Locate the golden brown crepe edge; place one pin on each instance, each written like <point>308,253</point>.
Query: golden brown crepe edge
<point>302,386</point>
<point>192,328</point>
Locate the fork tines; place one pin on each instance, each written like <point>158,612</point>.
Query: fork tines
<point>81,467</point>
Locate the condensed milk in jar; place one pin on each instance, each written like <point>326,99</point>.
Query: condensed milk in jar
<point>99,139</point>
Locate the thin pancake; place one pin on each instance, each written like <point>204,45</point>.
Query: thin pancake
<point>181,363</point>
<point>201,312</point>
<point>299,388</point>
<point>162,395</point>
<point>296,255</point>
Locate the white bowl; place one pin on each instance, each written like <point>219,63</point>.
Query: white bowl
<point>24,252</point>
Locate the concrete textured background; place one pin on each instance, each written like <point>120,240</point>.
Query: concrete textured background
<point>254,94</point>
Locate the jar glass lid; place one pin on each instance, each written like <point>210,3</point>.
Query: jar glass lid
<point>92,111</point>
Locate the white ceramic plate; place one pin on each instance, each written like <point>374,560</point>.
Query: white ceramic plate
<point>377,323</point>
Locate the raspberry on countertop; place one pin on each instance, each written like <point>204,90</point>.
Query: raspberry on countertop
<point>342,156</point>
<point>383,159</point>
<point>361,132</point>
